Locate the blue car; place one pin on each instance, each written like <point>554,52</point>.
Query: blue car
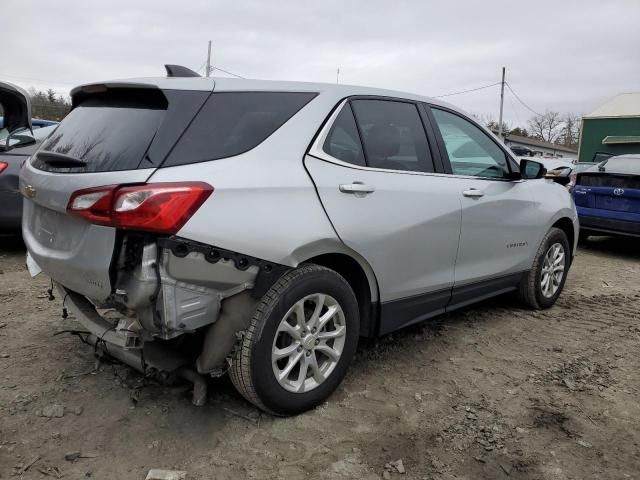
<point>35,123</point>
<point>607,197</point>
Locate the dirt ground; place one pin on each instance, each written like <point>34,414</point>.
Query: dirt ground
<point>494,391</point>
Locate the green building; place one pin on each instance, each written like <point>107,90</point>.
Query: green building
<point>611,129</point>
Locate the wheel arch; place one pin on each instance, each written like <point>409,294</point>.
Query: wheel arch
<point>566,225</point>
<point>360,276</point>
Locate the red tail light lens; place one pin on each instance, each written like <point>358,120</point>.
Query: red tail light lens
<point>3,166</point>
<point>158,207</point>
<point>153,207</point>
<point>93,204</point>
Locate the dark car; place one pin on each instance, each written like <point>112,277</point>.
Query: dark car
<point>19,138</point>
<point>607,197</point>
<point>521,151</point>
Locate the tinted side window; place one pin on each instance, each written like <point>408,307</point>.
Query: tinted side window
<point>343,141</point>
<point>231,123</point>
<point>471,151</point>
<point>393,135</point>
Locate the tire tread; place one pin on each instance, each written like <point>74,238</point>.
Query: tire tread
<point>240,371</point>
<point>528,285</point>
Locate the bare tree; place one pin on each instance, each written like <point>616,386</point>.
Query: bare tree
<point>546,127</point>
<point>570,133</point>
<point>493,125</point>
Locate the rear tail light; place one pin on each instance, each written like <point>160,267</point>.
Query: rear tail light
<point>3,166</point>
<point>152,207</point>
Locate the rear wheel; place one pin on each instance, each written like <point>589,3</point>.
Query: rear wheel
<point>300,343</point>
<point>544,282</point>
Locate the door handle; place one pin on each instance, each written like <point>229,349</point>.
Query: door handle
<point>473,193</point>
<point>357,187</point>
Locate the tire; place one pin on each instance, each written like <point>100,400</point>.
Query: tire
<point>532,292</point>
<point>297,295</point>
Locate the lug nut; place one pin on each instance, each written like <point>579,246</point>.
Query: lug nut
<point>308,352</point>
<point>299,349</point>
<point>313,330</point>
<point>304,333</point>
<point>317,341</point>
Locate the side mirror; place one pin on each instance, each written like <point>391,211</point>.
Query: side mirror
<point>530,169</point>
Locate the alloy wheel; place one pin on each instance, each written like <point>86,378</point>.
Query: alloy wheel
<point>308,343</point>
<point>553,269</point>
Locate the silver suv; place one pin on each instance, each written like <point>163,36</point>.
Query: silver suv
<point>196,226</point>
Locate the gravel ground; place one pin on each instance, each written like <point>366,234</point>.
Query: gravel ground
<point>494,391</point>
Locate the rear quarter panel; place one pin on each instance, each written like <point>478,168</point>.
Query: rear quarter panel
<point>264,203</point>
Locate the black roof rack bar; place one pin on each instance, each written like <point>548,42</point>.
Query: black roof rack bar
<point>179,71</point>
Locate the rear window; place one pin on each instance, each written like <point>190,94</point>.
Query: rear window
<point>231,123</point>
<point>106,133</point>
<point>608,180</point>
<point>625,165</point>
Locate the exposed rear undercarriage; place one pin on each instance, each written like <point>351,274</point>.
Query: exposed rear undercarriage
<point>178,307</point>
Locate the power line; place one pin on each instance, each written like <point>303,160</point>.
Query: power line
<point>515,111</point>
<point>520,100</point>
<point>467,91</point>
<point>225,71</point>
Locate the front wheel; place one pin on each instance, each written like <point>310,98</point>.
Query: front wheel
<point>544,282</point>
<point>300,343</point>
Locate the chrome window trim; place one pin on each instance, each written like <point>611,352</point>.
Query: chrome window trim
<point>318,152</point>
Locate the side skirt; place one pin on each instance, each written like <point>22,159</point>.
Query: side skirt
<point>464,295</point>
<point>401,313</point>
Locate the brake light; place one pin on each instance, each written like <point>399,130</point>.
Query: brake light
<point>3,166</point>
<point>93,204</point>
<point>153,207</point>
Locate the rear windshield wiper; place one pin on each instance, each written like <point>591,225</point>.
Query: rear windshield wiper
<point>56,159</point>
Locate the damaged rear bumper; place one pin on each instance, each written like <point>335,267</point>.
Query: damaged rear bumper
<point>165,288</point>
<point>151,358</point>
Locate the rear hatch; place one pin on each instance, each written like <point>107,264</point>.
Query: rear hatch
<point>614,195</point>
<point>16,107</point>
<point>115,134</point>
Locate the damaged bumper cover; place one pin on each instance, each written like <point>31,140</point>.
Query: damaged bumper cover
<point>167,287</point>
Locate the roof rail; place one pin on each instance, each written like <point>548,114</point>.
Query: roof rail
<point>179,71</point>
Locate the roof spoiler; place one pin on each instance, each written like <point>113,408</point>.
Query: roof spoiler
<point>179,71</point>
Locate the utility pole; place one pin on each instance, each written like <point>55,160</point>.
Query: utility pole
<point>338,75</point>
<point>208,70</point>
<point>501,105</point>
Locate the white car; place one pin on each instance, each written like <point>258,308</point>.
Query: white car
<point>262,227</point>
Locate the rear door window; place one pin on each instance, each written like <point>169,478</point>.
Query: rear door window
<point>393,135</point>
<point>343,141</point>
<point>231,123</point>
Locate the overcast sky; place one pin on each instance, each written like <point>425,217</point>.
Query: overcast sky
<point>560,55</point>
